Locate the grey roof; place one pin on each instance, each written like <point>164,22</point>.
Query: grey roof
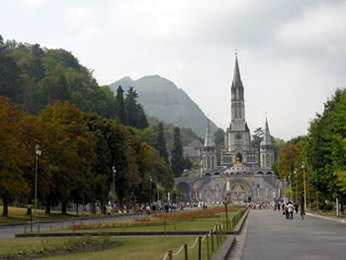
<point>196,144</point>
<point>191,152</point>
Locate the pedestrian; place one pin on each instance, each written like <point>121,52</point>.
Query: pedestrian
<point>290,209</point>
<point>296,207</point>
<point>302,211</point>
<point>286,210</point>
<point>279,206</point>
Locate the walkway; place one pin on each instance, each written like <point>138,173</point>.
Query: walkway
<point>271,236</point>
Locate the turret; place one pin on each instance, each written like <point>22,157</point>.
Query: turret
<point>266,149</point>
<point>208,151</point>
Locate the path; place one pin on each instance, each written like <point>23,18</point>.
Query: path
<point>271,236</point>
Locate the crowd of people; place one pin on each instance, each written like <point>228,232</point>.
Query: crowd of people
<point>287,208</point>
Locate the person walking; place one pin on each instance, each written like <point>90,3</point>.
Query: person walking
<point>286,210</point>
<point>290,210</point>
<point>302,211</point>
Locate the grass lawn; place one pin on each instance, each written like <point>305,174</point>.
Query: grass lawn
<point>143,248</point>
<point>199,224</point>
<point>18,215</point>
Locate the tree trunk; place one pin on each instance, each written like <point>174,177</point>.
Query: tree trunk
<point>47,211</point>
<point>64,208</point>
<point>5,206</point>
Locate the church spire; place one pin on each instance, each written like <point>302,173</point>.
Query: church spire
<point>207,140</point>
<point>267,140</point>
<point>236,76</point>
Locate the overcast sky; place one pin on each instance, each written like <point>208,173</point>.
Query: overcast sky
<point>292,54</point>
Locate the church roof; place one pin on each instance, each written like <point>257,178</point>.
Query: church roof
<point>267,140</point>
<point>236,76</point>
<point>208,142</point>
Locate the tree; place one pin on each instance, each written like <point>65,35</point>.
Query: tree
<point>12,182</point>
<point>121,106</point>
<point>131,107</point>
<point>325,147</point>
<point>142,121</point>
<point>177,163</point>
<point>68,150</point>
<point>161,145</point>
<point>257,137</point>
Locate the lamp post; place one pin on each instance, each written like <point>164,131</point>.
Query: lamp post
<point>150,179</point>
<point>37,153</point>
<point>113,183</point>
<point>303,167</point>
<point>226,202</point>
<point>296,176</point>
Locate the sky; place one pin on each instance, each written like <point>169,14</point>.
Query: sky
<point>291,54</point>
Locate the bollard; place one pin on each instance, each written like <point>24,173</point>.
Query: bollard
<point>208,253</point>
<point>170,255</point>
<point>212,241</point>
<point>186,252</point>
<point>199,248</point>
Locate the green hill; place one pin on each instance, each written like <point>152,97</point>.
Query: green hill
<point>162,99</point>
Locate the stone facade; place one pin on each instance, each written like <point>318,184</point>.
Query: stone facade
<point>245,173</point>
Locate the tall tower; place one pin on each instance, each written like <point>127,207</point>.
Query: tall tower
<point>208,151</point>
<point>266,149</point>
<point>237,99</point>
<point>237,139</point>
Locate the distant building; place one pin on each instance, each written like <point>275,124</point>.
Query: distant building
<point>245,173</point>
<point>193,151</point>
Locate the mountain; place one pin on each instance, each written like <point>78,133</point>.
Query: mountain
<point>162,99</point>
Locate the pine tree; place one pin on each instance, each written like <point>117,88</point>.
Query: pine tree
<point>161,143</point>
<point>131,107</point>
<point>121,105</point>
<point>142,121</point>
<point>177,154</point>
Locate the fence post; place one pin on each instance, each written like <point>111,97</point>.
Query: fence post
<point>199,248</point>
<point>186,252</point>
<point>212,240</point>
<point>208,253</point>
<point>170,255</point>
<point>217,234</point>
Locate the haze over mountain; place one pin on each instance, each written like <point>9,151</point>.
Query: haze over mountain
<point>161,98</point>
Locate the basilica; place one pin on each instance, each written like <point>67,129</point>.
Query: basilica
<point>245,172</point>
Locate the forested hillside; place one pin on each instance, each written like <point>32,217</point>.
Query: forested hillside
<point>162,99</point>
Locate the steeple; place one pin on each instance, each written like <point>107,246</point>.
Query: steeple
<point>236,83</point>
<point>267,140</point>
<point>207,140</point>
<point>237,96</point>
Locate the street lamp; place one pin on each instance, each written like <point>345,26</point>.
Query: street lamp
<point>150,179</point>
<point>296,176</point>
<point>113,184</point>
<point>303,167</point>
<point>37,153</point>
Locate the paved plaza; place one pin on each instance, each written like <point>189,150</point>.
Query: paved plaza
<point>268,235</point>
